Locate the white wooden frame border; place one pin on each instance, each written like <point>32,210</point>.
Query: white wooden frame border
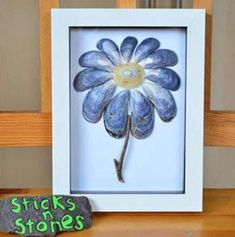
<point>194,21</point>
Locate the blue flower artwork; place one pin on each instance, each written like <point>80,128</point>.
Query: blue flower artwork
<point>126,85</point>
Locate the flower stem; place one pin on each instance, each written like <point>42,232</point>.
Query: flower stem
<point>119,164</point>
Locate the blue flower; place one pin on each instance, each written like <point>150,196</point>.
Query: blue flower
<point>125,85</point>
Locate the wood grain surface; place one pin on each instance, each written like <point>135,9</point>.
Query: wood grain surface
<point>45,52</point>
<point>126,3</point>
<point>217,220</point>
<point>25,129</point>
<point>207,4</point>
<point>220,129</point>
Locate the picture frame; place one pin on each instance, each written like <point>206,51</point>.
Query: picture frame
<point>74,31</point>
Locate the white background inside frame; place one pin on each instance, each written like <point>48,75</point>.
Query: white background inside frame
<point>154,164</point>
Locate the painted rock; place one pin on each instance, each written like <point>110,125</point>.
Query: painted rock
<point>44,215</point>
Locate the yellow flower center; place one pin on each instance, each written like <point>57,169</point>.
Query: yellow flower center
<point>129,75</point>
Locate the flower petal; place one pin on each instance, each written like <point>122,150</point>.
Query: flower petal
<point>160,58</point>
<point>142,115</point>
<point>165,77</point>
<point>96,59</point>
<point>110,49</point>
<point>89,78</point>
<point>115,114</point>
<point>127,47</point>
<point>95,101</point>
<point>145,48</point>
<point>162,100</point>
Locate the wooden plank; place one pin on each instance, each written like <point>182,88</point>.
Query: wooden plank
<point>132,231</point>
<point>157,225</point>
<point>207,4</point>
<point>219,125</point>
<point>25,129</point>
<point>126,4</point>
<point>216,202</point>
<point>219,128</point>
<point>33,129</point>
<point>219,202</point>
<point>45,51</point>
<point>216,221</point>
<point>101,231</point>
<point>7,192</point>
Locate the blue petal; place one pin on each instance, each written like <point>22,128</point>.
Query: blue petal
<point>127,47</point>
<point>165,77</point>
<point>108,47</point>
<point>89,78</point>
<point>142,115</point>
<point>145,48</point>
<point>160,58</point>
<point>162,100</point>
<point>96,59</point>
<point>95,101</point>
<point>115,114</point>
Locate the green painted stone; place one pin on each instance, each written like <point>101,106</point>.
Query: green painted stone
<point>44,215</point>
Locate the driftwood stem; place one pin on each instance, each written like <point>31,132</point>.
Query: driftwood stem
<point>119,164</point>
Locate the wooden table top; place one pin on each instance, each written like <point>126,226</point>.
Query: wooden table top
<point>217,219</point>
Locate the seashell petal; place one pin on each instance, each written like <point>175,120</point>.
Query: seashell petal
<point>165,77</point>
<point>97,60</point>
<point>162,100</point>
<point>110,49</point>
<point>115,114</point>
<point>95,101</point>
<point>127,47</point>
<point>145,48</point>
<point>142,115</point>
<point>89,78</point>
<point>160,58</point>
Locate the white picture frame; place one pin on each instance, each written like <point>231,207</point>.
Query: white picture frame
<point>194,23</point>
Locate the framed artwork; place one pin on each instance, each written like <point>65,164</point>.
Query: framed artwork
<point>128,107</point>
